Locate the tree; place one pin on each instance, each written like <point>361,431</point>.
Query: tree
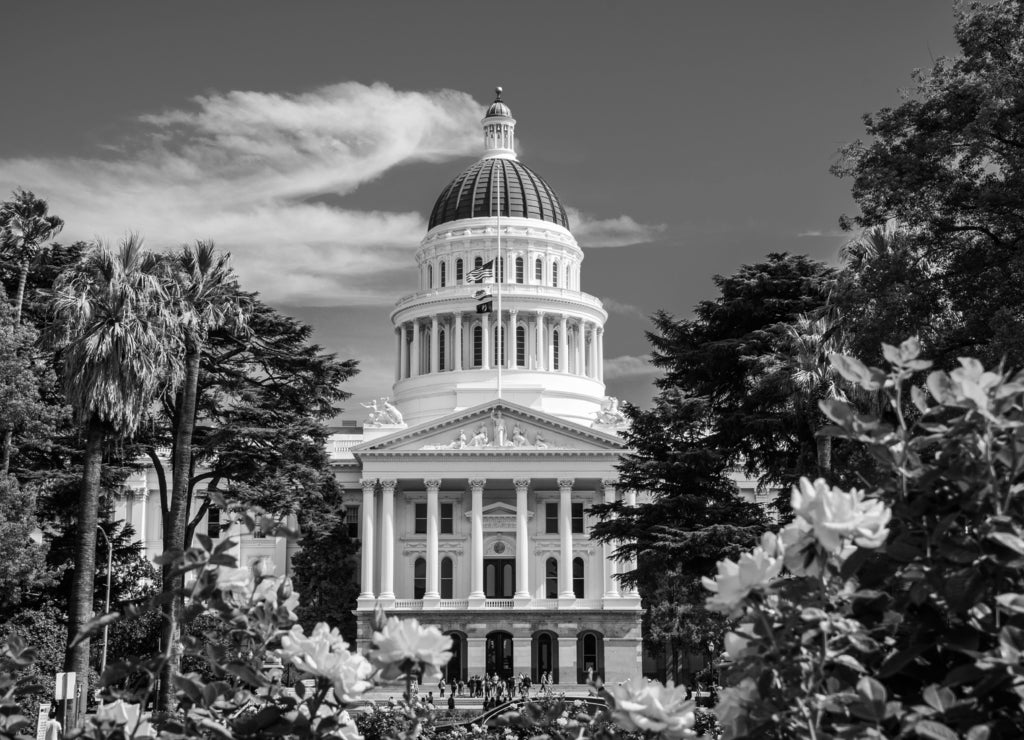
<point>23,567</point>
<point>204,295</point>
<point>947,166</point>
<point>111,331</point>
<point>25,225</point>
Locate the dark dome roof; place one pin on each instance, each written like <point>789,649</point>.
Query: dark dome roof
<point>498,109</point>
<point>523,194</point>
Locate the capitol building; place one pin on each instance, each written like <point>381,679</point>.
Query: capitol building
<point>469,487</point>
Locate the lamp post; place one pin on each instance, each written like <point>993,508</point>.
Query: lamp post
<point>106,605</point>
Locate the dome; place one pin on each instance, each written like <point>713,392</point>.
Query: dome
<point>523,194</point>
<point>498,109</point>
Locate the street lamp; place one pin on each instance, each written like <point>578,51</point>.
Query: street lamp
<point>106,606</point>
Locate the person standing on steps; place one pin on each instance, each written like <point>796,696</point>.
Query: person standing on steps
<point>53,730</point>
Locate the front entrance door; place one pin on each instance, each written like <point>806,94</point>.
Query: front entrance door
<point>499,654</point>
<point>499,578</point>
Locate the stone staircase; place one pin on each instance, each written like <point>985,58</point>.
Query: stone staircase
<point>381,695</point>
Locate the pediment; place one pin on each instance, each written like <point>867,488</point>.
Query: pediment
<point>493,428</point>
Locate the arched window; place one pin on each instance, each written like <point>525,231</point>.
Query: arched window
<point>538,270</point>
<point>444,274</point>
<point>477,264</point>
<point>478,346</point>
<point>440,344</point>
<point>419,578</point>
<point>519,270</point>
<point>589,656</point>
<point>554,274</point>
<point>501,270</point>
<point>577,577</point>
<point>554,350</point>
<point>430,276</point>
<point>499,352</point>
<point>545,655</point>
<point>458,270</point>
<point>520,346</point>
<point>551,579</point>
<point>455,669</point>
<point>447,578</point>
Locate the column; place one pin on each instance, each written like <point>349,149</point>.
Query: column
<point>592,351</point>
<point>542,350</point>
<point>563,344</point>
<point>611,586</point>
<point>366,596</point>
<point>581,347</point>
<point>456,342</point>
<point>398,355</point>
<point>565,531</point>
<point>631,503</point>
<point>485,325</point>
<point>434,345</point>
<point>414,360</point>
<point>477,545</point>
<point>433,592</point>
<point>387,540</point>
<point>522,542</point>
<point>403,351</point>
<point>600,353</point>
<point>510,341</point>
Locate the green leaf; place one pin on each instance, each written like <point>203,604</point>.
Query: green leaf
<point>978,732</point>
<point>938,698</point>
<point>934,730</point>
<point>1009,540</point>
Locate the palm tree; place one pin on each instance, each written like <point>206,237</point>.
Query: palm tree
<point>204,296</point>
<point>25,224</point>
<point>111,332</point>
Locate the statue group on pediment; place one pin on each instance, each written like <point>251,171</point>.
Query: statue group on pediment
<point>497,436</point>
<point>609,417</point>
<point>382,412</point>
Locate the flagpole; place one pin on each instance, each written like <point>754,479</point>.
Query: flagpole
<point>499,274</point>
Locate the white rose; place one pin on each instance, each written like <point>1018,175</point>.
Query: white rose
<point>640,705</point>
<point>755,569</point>
<point>837,517</point>
<point>736,641</point>
<point>406,641</point>
<point>325,653</point>
<point>734,706</point>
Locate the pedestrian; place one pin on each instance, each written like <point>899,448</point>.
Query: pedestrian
<point>451,704</point>
<point>53,729</point>
<point>441,686</point>
<point>430,699</point>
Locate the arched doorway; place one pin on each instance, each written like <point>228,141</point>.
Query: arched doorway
<point>545,655</point>
<point>498,654</point>
<point>589,656</point>
<point>455,669</point>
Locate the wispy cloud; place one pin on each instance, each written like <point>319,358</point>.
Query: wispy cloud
<point>623,309</point>
<point>828,233</point>
<point>626,366</point>
<point>241,168</point>
<point>610,232</point>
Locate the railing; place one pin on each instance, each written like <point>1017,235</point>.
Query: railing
<point>416,605</point>
<point>409,604</point>
<point>544,603</point>
<point>510,290</point>
<point>498,603</point>
<point>453,604</point>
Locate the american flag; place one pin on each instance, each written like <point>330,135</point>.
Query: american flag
<point>484,271</point>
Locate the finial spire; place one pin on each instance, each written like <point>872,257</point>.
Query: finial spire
<point>497,94</point>
<point>499,129</point>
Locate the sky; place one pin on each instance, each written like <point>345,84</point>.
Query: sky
<point>310,139</point>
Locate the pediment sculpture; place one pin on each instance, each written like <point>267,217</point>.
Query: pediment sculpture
<point>497,435</point>
<point>383,413</point>
<point>609,418</point>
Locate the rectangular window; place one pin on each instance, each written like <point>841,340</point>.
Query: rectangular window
<point>577,517</point>
<point>421,518</point>
<point>213,522</point>
<point>447,518</point>
<point>352,522</point>
<point>551,518</point>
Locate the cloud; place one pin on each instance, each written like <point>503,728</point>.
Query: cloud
<point>610,232</point>
<point>627,366</point>
<point>624,309</point>
<point>242,168</point>
<point>829,233</point>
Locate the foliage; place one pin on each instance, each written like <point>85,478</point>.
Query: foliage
<point>23,568</point>
<point>947,167</point>
<point>904,628</point>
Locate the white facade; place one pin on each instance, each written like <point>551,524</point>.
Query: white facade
<point>471,507</point>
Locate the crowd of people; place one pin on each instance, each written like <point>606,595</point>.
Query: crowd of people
<point>494,689</point>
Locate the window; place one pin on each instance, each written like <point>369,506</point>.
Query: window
<point>519,269</point>
<point>213,522</point>
<point>440,349</point>
<point>577,577</point>
<point>551,579</point>
<point>447,518</point>
<point>444,273</point>
<point>421,518</point>
<point>551,518</point>
<point>430,276</point>
<point>577,517</point>
<point>352,522</point>
<point>458,270</point>
<point>501,270</point>
<point>447,578</point>
<point>419,578</point>
<point>499,351</point>
<point>520,346</point>
<point>477,264</point>
<point>554,274</point>
<point>478,346</point>
<point>554,350</point>
<point>538,270</point>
